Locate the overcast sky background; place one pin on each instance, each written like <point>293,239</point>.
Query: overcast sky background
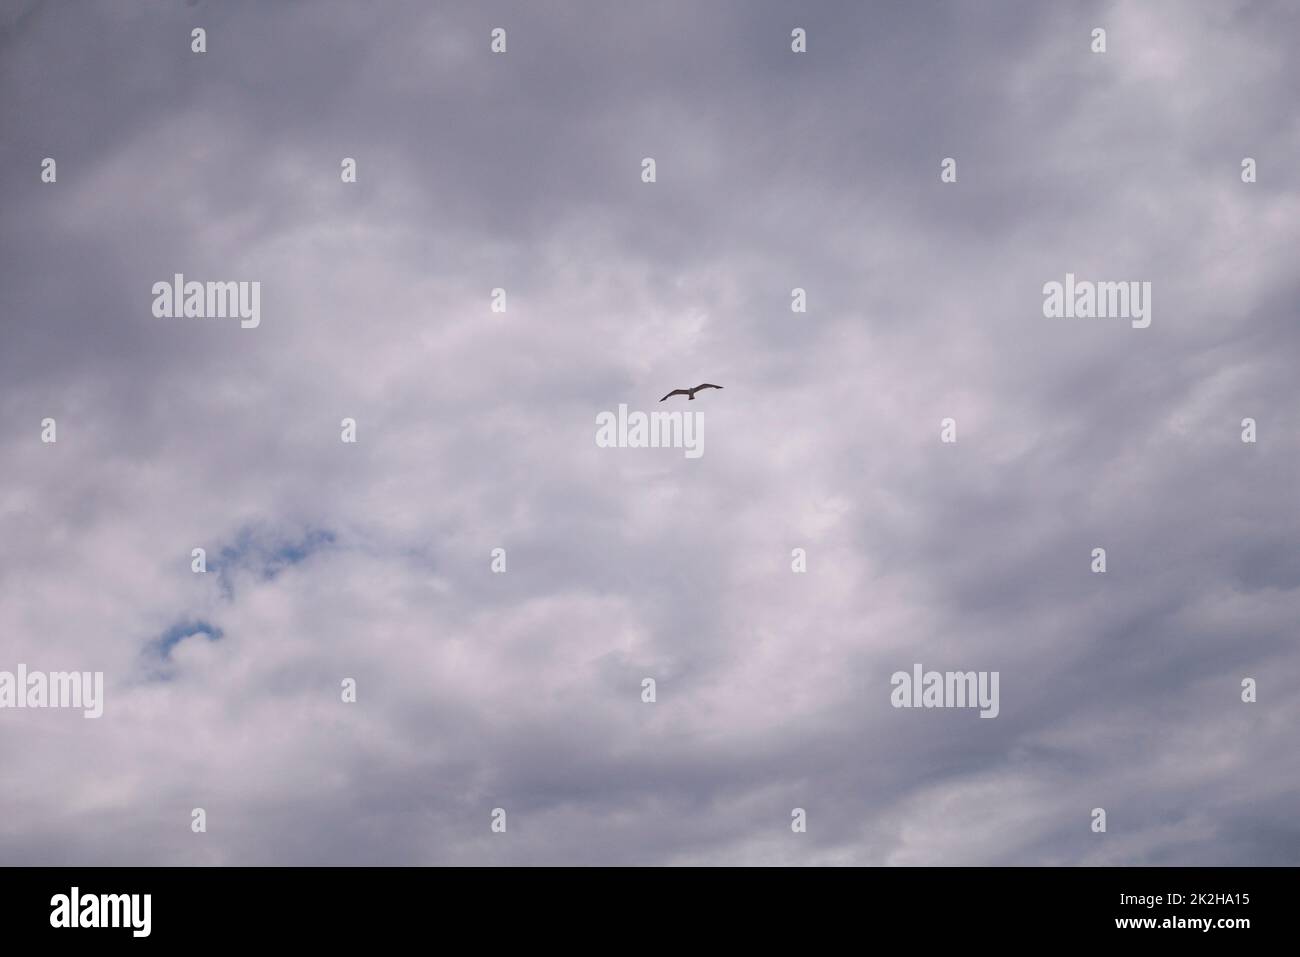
<point>476,431</point>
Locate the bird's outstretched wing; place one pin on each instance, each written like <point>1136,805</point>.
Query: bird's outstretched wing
<point>707,385</point>
<point>676,392</point>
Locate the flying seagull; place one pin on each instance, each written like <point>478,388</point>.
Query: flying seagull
<point>690,393</point>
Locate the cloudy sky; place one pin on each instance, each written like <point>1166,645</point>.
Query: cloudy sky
<point>476,429</point>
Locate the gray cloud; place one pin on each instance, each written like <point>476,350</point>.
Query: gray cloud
<point>476,430</point>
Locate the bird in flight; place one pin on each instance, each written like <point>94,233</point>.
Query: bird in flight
<point>690,393</point>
